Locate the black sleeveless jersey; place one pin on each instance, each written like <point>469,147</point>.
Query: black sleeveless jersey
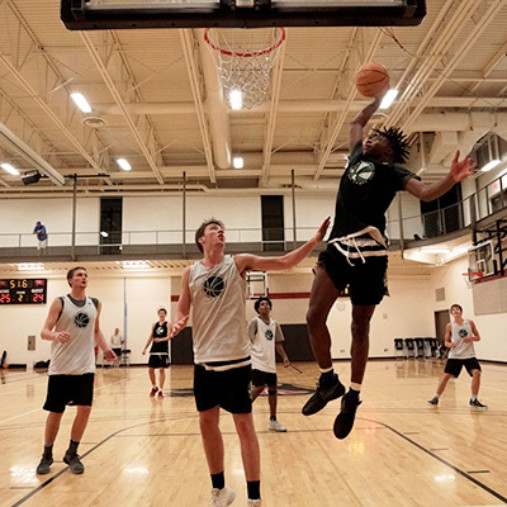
<point>159,331</point>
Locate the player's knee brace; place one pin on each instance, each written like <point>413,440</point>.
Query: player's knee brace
<point>272,391</point>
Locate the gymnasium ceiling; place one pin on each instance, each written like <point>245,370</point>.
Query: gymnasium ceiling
<point>153,102</point>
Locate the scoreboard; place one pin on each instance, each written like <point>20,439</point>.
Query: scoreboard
<point>19,291</point>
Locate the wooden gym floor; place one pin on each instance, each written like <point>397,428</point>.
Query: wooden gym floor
<point>140,451</point>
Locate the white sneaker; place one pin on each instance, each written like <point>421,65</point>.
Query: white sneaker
<point>276,426</point>
<point>254,503</point>
<point>221,497</point>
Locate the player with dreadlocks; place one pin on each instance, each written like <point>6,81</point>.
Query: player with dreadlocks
<point>356,254</point>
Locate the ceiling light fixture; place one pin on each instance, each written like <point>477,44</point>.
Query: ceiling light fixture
<point>81,102</point>
<point>388,98</point>
<point>236,99</point>
<point>10,169</point>
<point>490,165</point>
<point>238,162</point>
<point>124,164</point>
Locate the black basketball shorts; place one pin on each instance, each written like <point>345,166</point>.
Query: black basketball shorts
<point>453,366</point>
<point>69,390</point>
<point>159,361</point>
<point>228,389</point>
<point>263,378</point>
<point>367,280</point>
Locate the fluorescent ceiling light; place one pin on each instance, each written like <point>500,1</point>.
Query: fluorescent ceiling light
<point>435,250</point>
<point>236,99</point>
<point>30,266</point>
<point>134,264</point>
<point>10,169</point>
<point>81,102</point>
<point>490,165</point>
<point>238,162</point>
<point>388,98</point>
<point>124,164</point>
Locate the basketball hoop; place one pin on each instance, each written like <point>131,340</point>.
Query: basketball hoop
<point>471,277</point>
<point>244,60</point>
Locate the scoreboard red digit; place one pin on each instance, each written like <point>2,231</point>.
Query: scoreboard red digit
<point>23,291</point>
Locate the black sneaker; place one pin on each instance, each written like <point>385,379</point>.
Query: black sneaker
<point>43,467</point>
<point>433,401</point>
<point>322,396</point>
<point>476,404</point>
<point>75,465</point>
<point>345,419</point>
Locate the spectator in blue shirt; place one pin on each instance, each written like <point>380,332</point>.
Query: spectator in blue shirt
<point>42,237</point>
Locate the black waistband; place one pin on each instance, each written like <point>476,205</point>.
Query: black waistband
<point>227,363</point>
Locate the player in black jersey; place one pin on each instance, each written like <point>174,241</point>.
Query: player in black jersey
<point>356,255</point>
<point>159,352</point>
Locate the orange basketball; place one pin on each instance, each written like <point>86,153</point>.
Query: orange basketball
<point>372,79</point>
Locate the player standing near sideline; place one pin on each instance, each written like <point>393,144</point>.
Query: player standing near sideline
<point>215,288</point>
<point>72,325</point>
<point>460,336</point>
<point>356,254</point>
<point>159,352</point>
<point>266,335</point>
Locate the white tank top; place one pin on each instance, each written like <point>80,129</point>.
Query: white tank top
<point>218,314</point>
<point>77,356</point>
<point>263,346</point>
<point>462,350</point>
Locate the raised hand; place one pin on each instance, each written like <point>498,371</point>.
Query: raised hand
<point>461,169</point>
<point>319,236</point>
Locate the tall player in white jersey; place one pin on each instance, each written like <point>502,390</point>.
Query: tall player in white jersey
<point>215,287</point>
<point>460,336</point>
<point>72,325</point>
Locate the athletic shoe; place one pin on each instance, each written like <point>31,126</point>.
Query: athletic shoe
<point>221,497</point>
<point>433,401</point>
<point>153,392</point>
<point>345,419</point>
<point>254,503</point>
<point>322,396</point>
<point>72,459</point>
<point>160,394</point>
<point>276,426</point>
<point>43,467</point>
<point>476,404</point>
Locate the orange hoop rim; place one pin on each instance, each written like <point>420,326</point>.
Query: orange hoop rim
<point>478,274</point>
<point>247,54</point>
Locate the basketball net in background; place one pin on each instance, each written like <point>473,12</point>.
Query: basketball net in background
<point>244,60</point>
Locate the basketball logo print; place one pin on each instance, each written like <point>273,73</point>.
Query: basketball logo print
<point>362,173</point>
<point>269,334</point>
<point>463,333</point>
<point>81,320</point>
<point>214,286</point>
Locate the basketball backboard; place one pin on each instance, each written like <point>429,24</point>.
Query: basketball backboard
<point>481,261</point>
<point>132,14</point>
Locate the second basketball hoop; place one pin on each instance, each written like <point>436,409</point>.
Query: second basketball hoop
<point>245,60</point>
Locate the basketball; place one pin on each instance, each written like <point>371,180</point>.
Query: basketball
<point>372,79</point>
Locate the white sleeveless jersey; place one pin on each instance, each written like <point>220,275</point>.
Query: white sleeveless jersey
<point>77,356</point>
<point>263,346</point>
<point>462,350</point>
<point>218,298</point>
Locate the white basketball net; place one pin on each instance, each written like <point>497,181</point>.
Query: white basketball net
<point>245,59</point>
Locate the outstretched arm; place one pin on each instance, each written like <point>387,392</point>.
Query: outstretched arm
<point>247,262</point>
<point>460,169</point>
<point>359,122</point>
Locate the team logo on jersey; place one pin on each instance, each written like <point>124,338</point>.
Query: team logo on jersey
<point>463,333</point>
<point>269,334</point>
<point>214,286</point>
<point>159,331</point>
<point>361,173</point>
<point>81,319</point>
